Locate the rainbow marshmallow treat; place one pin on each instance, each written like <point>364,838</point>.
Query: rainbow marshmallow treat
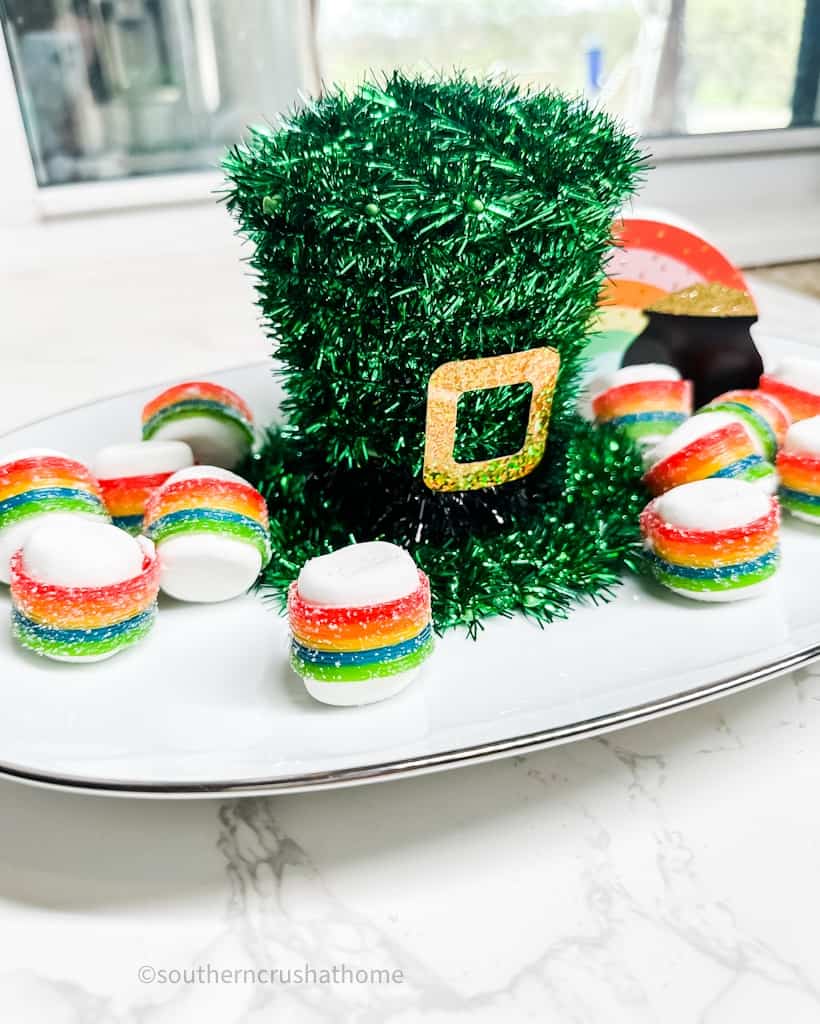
<point>129,474</point>
<point>212,534</point>
<point>796,383</point>
<point>214,421</point>
<point>799,467</point>
<point>36,485</point>
<point>763,415</point>
<point>649,400</point>
<point>361,623</point>
<point>713,540</point>
<point>711,444</point>
<point>83,591</point>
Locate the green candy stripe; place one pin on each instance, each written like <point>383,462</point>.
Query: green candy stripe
<point>714,586</point>
<point>656,428</point>
<point>757,472</point>
<point>78,648</point>
<point>360,673</point>
<point>91,505</point>
<point>192,408</point>
<point>795,505</point>
<point>160,531</point>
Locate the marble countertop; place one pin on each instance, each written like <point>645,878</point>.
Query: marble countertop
<point>663,873</point>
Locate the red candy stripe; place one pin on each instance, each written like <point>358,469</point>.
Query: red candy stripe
<point>653,524</point>
<point>123,486</point>
<point>37,466</point>
<point>611,401</point>
<point>303,613</point>
<point>793,460</point>
<point>49,602</point>
<point>700,453</point>
<point>801,404</point>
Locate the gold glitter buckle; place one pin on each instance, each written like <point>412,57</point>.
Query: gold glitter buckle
<point>448,382</point>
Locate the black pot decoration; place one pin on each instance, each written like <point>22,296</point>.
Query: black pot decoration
<point>702,331</point>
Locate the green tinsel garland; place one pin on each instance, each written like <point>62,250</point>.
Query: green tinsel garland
<point>411,224</point>
<point>569,537</point>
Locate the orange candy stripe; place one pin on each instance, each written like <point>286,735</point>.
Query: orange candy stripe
<point>204,492</point>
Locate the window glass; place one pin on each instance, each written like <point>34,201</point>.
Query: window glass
<point>667,66</point>
<point>112,88</point>
<point>115,88</point>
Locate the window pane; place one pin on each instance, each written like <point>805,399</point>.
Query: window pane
<point>111,88</point>
<point>668,66</point>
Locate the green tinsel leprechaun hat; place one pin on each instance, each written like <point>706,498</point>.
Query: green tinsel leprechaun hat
<point>410,226</point>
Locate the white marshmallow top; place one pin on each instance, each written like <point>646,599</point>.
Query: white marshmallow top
<point>798,373</point>
<point>31,453</point>
<point>691,430</point>
<point>714,504</point>
<point>205,473</point>
<point>141,458</point>
<point>358,575</point>
<point>803,438</point>
<point>74,553</point>
<point>632,375</point>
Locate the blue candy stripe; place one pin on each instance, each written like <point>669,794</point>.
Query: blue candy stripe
<point>374,656</point>
<point>50,494</point>
<point>787,494</point>
<point>54,634</point>
<point>194,517</point>
<point>128,523</point>
<point>741,466</point>
<point>648,417</point>
<point>722,572</point>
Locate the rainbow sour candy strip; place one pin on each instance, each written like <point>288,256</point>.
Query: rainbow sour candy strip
<point>48,640</point>
<point>349,645</point>
<point>197,398</point>
<point>209,505</point>
<point>711,560</point>
<point>763,414</point>
<point>719,579</point>
<point>726,452</point>
<point>800,404</point>
<point>49,499</point>
<point>346,672</point>
<point>362,628</point>
<point>208,520</point>
<point>800,484</point>
<point>126,498</point>
<point>645,408</point>
<point>47,483</point>
<point>44,471</point>
<point>72,622</point>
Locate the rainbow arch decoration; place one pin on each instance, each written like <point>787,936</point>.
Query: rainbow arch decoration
<point>652,259</point>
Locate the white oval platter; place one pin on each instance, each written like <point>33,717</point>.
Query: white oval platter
<point>208,705</point>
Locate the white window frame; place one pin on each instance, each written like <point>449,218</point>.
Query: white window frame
<point>756,194</point>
